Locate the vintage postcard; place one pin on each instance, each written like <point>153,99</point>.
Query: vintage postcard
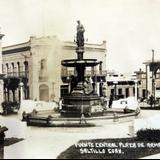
<point>79,79</point>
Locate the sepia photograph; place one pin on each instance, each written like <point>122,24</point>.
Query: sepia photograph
<point>79,79</point>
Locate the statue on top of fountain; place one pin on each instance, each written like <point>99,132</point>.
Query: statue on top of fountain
<point>80,34</point>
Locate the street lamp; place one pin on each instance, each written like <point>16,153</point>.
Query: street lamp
<point>154,93</point>
<point>136,87</point>
<point>21,91</point>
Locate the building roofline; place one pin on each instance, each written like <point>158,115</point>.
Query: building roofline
<point>66,44</point>
<point>18,45</point>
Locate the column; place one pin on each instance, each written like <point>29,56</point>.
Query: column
<point>149,83</point>
<point>92,71</point>
<point>100,68</point>
<point>98,88</point>
<point>1,75</point>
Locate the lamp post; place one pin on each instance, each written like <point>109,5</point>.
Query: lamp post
<point>136,87</point>
<point>21,91</point>
<point>154,92</point>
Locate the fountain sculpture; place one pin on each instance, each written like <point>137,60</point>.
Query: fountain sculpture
<point>82,98</point>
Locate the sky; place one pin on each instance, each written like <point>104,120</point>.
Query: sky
<point>130,27</point>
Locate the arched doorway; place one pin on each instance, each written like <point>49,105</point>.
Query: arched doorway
<point>44,93</point>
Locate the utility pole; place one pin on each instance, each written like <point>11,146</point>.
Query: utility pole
<point>153,79</point>
<point>146,81</point>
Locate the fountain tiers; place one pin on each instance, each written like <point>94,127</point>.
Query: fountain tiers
<point>78,102</point>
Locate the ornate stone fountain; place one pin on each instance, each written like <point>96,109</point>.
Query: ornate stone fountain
<point>82,97</point>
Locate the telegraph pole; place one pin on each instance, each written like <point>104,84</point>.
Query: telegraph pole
<point>153,79</point>
<point>146,81</point>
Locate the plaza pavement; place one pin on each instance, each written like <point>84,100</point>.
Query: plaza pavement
<point>48,143</point>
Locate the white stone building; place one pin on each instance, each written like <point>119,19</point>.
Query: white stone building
<point>147,86</point>
<point>37,63</point>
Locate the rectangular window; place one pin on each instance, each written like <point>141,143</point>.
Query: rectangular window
<point>64,90</point>
<point>127,92</point>
<point>144,93</point>
<point>112,91</point>
<point>120,91</point>
<point>133,91</point>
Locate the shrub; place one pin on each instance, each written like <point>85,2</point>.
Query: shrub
<point>149,135</point>
<point>9,107</point>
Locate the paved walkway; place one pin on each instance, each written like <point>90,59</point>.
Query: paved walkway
<point>48,143</point>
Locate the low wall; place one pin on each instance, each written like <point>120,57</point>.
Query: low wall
<point>30,105</point>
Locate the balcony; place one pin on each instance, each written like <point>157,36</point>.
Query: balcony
<point>23,74</point>
<point>87,73</point>
<point>97,76</point>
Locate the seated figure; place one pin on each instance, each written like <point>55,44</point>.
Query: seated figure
<point>88,87</point>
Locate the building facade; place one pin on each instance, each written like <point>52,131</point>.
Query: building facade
<point>37,64</point>
<point>120,85</point>
<point>150,84</point>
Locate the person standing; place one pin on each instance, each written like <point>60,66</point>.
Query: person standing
<point>151,99</point>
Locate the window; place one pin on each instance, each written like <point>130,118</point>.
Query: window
<point>112,91</point>
<point>143,93</point>
<point>127,92</point>
<point>120,91</point>
<point>64,90</point>
<point>18,68</point>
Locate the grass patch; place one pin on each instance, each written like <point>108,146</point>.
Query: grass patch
<point>125,148</point>
<point>152,135</point>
